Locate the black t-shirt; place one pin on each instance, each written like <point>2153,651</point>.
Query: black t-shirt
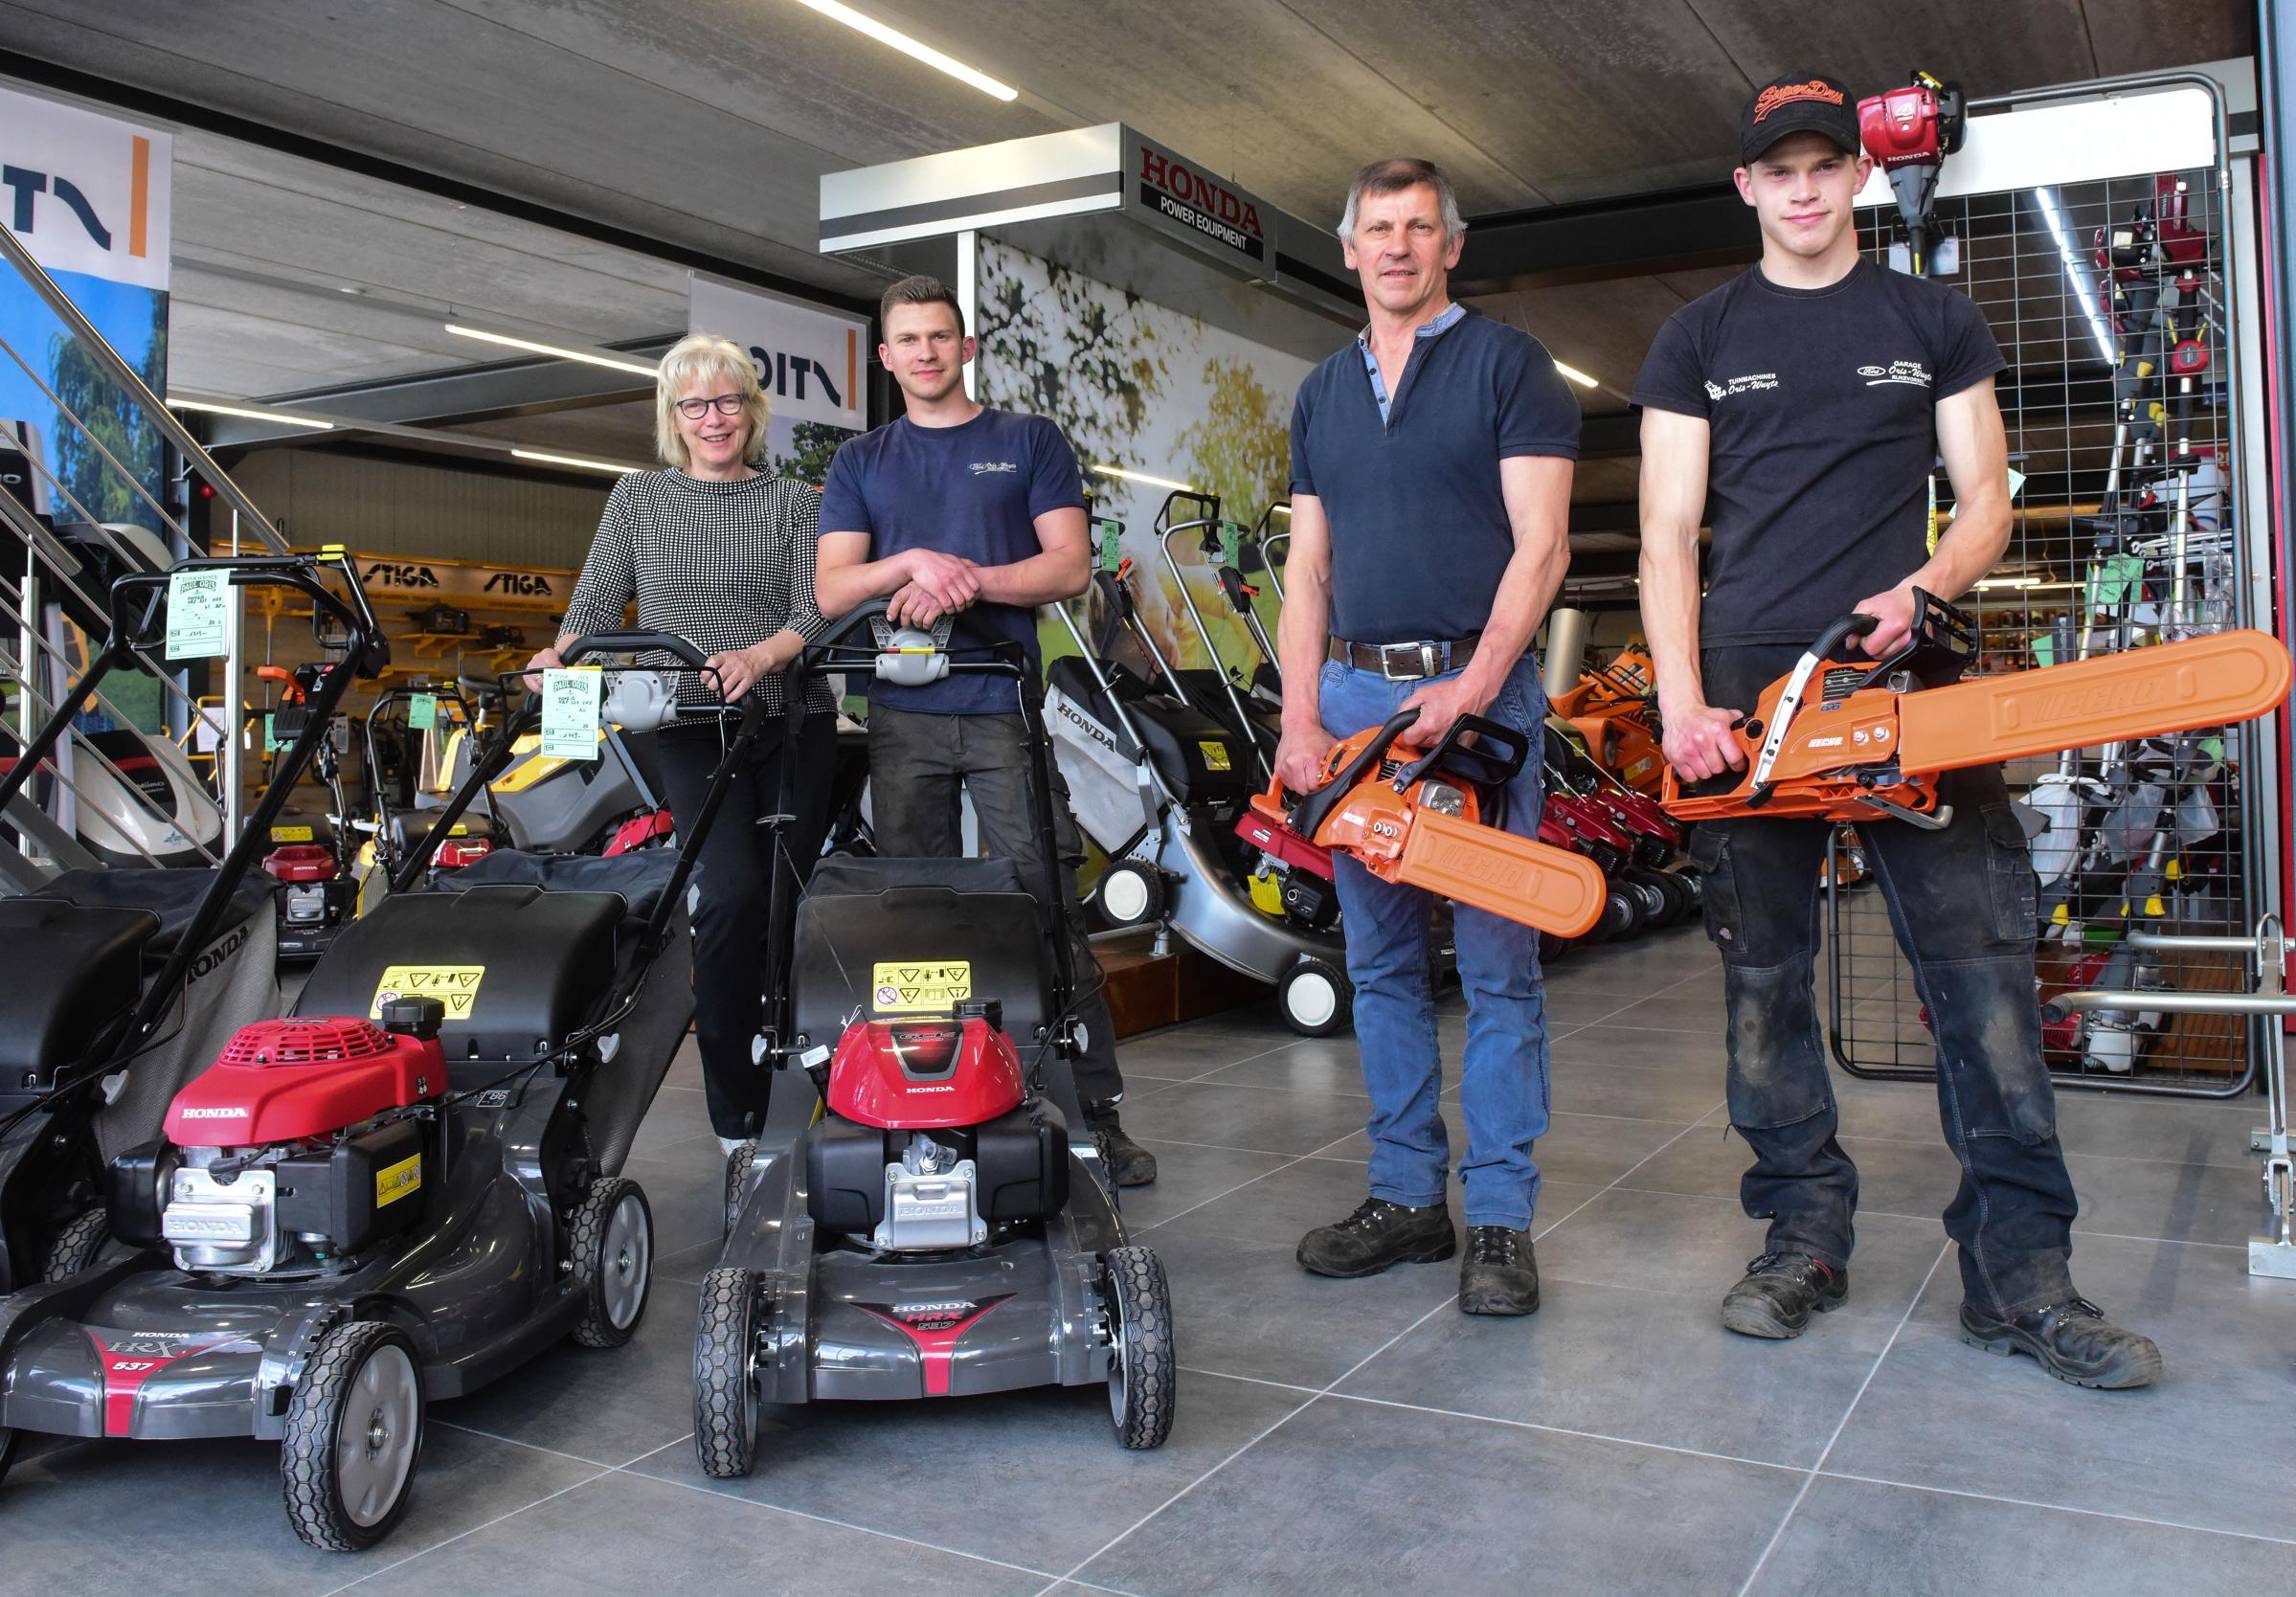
<point>1823,408</point>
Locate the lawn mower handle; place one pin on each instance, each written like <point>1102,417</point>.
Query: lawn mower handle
<point>629,642</point>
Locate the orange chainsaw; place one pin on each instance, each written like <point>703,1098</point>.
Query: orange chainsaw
<point>1860,739</point>
<point>1418,818</point>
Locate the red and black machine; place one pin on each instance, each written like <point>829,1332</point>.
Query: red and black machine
<point>1909,132</point>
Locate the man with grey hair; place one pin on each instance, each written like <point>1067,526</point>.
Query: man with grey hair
<point>1430,485</point>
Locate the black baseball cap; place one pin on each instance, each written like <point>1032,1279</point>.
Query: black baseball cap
<point>1799,103</point>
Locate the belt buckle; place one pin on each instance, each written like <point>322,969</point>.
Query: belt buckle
<point>1426,661</point>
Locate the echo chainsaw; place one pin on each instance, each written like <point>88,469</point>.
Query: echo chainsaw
<point>1863,741</point>
<point>1429,819</point>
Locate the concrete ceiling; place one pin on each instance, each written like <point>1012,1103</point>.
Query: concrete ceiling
<point>707,123</point>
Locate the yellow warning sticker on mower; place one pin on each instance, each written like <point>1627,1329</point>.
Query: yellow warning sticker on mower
<point>1215,755</point>
<point>913,987</point>
<point>395,1181</point>
<point>290,834</point>
<point>457,986</point>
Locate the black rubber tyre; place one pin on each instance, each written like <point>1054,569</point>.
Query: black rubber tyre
<point>7,1449</point>
<point>76,1245</point>
<point>610,1238</point>
<point>1672,899</point>
<point>1648,897</point>
<point>738,1181</point>
<point>1691,881</point>
<point>355,1435</point>
<point>1143,1369</point>
<point>1621,918</point>
<point>1129,893</point>
<point>725,1375</point>
<point>1316,997</point>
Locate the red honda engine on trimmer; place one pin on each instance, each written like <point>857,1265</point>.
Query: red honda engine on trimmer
<point>301,1144</point>
<point>932,1136</point>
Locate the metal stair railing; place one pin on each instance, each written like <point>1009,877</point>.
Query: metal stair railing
<point>47,569</point>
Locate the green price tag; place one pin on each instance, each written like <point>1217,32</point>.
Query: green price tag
<point>271,739</point>
<point>198,614</point>
<point>2017,481</point>
<point>2115,582</point>
<point>1109,533</point>
<point>1231,544</point>
<point>2045,648</point>
<point>570,711</point>
<point>422,712</point>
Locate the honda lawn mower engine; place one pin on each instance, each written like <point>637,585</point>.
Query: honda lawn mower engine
<point>300,1145</point>
<point>932,1136</point>
<point>317,897</point>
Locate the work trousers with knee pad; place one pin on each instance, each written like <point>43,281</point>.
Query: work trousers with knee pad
<point>1962,902</point>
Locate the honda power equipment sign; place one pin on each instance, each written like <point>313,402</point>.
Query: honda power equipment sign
<point>86,193</point>
<point>1204,208</point>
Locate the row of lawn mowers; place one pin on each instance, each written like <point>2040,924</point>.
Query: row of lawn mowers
<point>226,1213</point>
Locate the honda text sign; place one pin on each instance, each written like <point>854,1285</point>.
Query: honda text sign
<point>1207,208</point>
<point>813,362</point>
<point>85,193</point>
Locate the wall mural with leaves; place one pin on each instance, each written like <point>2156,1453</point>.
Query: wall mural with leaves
<point>1144,388</point>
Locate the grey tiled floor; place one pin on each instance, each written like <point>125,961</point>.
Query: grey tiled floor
<point>1345,1437</point>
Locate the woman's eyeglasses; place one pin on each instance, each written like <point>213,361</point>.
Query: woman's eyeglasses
<point>726,404</point>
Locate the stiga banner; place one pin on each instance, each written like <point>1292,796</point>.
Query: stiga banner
<point>86,193</point>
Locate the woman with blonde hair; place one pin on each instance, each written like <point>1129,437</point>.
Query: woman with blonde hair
<point>718,547</point>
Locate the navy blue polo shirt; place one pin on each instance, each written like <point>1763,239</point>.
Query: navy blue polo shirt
<point>1419,528</point>
<point>973,490</point>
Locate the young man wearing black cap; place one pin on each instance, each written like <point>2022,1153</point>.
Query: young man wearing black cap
<point>1802,404</point>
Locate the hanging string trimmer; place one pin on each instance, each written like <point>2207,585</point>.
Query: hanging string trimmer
<point>1909,132</point>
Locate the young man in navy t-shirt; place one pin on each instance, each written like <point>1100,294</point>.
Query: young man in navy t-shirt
<point>1797,409</point>
<point>1431,461</point>
<point>958,508</point>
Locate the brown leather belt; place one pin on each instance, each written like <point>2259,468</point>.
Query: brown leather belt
<point>1406,662</point>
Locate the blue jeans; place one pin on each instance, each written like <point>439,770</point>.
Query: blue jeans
<point>1502,1078</point>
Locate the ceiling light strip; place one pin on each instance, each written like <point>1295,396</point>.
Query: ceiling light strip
<point>248,414</point>
<point>587,357</point>
<point>915,49</point>
<point>619,470</point>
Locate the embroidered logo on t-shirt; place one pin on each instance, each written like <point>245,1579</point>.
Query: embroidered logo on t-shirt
<point>1895,371</point>
<point>1752,382</point>
<point>982,466</point>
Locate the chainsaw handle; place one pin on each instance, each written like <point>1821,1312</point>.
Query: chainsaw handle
<point>1856,624</point>
<point>1494,760</point>
<point>1313,810</point>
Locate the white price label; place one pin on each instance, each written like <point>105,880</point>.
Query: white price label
<point>570,711</point>
<point>198,614</point>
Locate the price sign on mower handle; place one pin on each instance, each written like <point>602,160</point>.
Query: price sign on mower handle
<point>571,696</point>
<point>422,712</point>
<point>198,614</point>
<point>1108,534</point>
<point>1231,544</point>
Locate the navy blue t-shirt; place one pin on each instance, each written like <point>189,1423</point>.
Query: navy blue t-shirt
<point>1419,530</point>
<point>974,491</point>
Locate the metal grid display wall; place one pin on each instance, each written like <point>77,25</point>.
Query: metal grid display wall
<point>2109,301</point>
